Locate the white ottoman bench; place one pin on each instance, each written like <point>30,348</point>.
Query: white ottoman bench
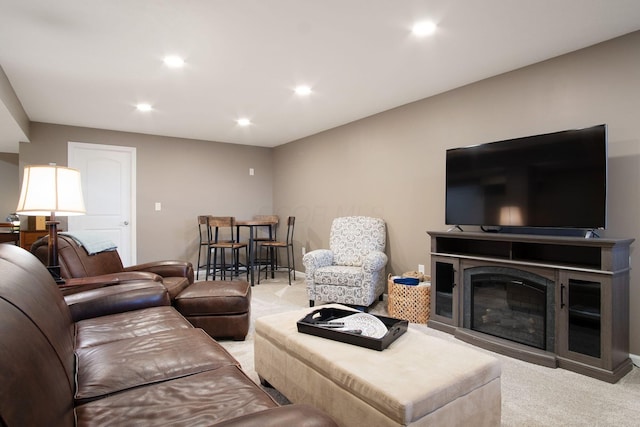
<point>418,380</point>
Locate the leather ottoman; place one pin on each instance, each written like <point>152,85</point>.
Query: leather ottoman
<point>221,308</point>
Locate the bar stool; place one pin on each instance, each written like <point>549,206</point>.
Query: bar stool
<point>269,235</point>
<point>273,247</point>
<point>204,235</point>
<point>218,224</point>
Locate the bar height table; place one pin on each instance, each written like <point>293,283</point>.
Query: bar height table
<point>252,224</point>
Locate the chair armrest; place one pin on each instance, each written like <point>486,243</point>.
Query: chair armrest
<point>299,415</point>
<point>374,261</point>
<point>166,269</point>
<point>318,258</point>
<point>120,298</point>
<point>81,284</point>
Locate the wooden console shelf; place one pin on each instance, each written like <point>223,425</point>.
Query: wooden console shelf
<point>564,252</point>
<point>589,295</point>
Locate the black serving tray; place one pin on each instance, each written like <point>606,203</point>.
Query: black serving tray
<point>307,325</point>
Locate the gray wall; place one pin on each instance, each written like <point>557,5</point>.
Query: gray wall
<point>14,121</point>
<point>188,177</point>
<point>9,177</point>
<point>13,105</point>
<point>392,165</point>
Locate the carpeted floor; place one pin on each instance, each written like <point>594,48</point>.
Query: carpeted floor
<point>532,395</point>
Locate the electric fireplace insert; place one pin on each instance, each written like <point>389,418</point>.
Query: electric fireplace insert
<point>512,304</point>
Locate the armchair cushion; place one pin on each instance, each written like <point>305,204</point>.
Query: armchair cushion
<point>353,237</point>
<point>339,275</point>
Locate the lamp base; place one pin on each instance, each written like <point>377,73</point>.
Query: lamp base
<point>55,273</point>
<point>54,267</point>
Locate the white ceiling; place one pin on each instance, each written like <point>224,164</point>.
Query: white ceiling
<point>88,62</point>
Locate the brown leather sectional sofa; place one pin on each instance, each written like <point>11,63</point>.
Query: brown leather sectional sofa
<point>222,309</point>
<point>143,364</point>
<point>77,264</point>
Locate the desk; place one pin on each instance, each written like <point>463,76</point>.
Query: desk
<point>9,233</point>
<point>27,238</point>
<point>251,224</point>
<point>10,236</point>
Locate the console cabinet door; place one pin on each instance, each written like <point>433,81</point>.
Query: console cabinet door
<point>584,318</point>
<point>445,290</point>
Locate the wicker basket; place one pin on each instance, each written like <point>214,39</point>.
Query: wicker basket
<point>409,302</point>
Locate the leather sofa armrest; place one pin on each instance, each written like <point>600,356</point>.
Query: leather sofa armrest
<point>166,269</point>
<point>81,284</point>
<point>299,415</point>
<point>134,295</point>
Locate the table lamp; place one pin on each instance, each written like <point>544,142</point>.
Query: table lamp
<point>49,191</point>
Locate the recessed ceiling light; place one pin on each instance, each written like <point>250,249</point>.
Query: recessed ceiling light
<point>144,107</point>
<point>243,122</point>
<point>424,28</point>
<point>303,90</point>
<point>173,61</point>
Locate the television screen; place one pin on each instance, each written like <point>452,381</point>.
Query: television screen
<point>555,180</point>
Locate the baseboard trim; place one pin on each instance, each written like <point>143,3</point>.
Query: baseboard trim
<point>635,359</point>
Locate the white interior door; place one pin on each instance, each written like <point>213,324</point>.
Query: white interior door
<point>108,185</point>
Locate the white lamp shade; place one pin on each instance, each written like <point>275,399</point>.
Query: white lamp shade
<point>51,189</point>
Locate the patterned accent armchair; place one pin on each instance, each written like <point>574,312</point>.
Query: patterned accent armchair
<point>352,271</point>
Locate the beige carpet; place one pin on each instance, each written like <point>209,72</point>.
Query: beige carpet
<point>531,395</point>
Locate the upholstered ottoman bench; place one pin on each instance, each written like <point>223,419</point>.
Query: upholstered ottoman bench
<point>221,308</point>
<point>417,380</point>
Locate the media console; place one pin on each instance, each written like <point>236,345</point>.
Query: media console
<point>555,301</point>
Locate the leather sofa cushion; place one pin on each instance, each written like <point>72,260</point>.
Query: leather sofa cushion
<point>116,327</point>
<point>133,362</point>
<point>200,399</point>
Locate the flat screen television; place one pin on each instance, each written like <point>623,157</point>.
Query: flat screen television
<point>552,181</point>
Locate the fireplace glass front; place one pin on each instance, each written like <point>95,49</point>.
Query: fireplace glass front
<point>510,304</point>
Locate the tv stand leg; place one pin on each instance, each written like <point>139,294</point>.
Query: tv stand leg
<point>591,234</point>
